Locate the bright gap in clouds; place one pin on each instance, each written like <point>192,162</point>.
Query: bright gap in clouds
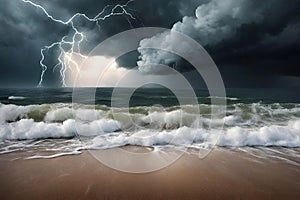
<point>104,71</point>
<point>95,71</point>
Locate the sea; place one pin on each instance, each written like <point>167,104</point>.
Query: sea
<point>47,123</point>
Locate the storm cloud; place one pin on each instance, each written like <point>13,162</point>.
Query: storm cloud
<point>258,40</point>
<point>229,29</point>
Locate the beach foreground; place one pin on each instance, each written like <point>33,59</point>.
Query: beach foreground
<point>224,174</point>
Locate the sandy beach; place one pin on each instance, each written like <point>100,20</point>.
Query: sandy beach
<point>224,174</point>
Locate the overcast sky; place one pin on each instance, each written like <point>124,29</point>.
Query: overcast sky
<point>254,43</point>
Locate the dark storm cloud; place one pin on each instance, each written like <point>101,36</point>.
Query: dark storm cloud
<point>23,32</point>
<point>253,35</point>
<point>238,32</point>
<point>26,29</point>
<point>271,44</point>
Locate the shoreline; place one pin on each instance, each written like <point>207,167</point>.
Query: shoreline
<point>223,174</point>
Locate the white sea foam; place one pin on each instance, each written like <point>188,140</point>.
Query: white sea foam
<point>229,98</point>
<point>12,112</point>
<point>288,136</point>
<point>16,97</point>
<point>28,129</point>
<point>54,155</point>
<point>245,125</point>
<point>62,114</point>
<point>59,115</point>
<point>272,135</point>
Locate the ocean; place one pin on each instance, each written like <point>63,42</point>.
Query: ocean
<point>45,123</point>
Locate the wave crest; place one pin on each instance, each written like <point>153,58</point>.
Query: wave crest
<point>245,124</point>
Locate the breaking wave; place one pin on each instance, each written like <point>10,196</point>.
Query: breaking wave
<point>253,124</point>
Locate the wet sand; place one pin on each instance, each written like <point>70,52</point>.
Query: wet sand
<point>224,174</point>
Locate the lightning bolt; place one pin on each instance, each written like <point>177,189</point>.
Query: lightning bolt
<point>77,38</point>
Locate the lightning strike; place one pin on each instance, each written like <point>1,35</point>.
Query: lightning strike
<point>65,55</point>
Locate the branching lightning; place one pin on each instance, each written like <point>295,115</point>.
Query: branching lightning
<point>77,38</point>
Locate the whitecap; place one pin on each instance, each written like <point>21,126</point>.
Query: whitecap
<point>16,97</point>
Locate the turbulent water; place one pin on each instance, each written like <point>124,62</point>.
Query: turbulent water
<point>45,119</point>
